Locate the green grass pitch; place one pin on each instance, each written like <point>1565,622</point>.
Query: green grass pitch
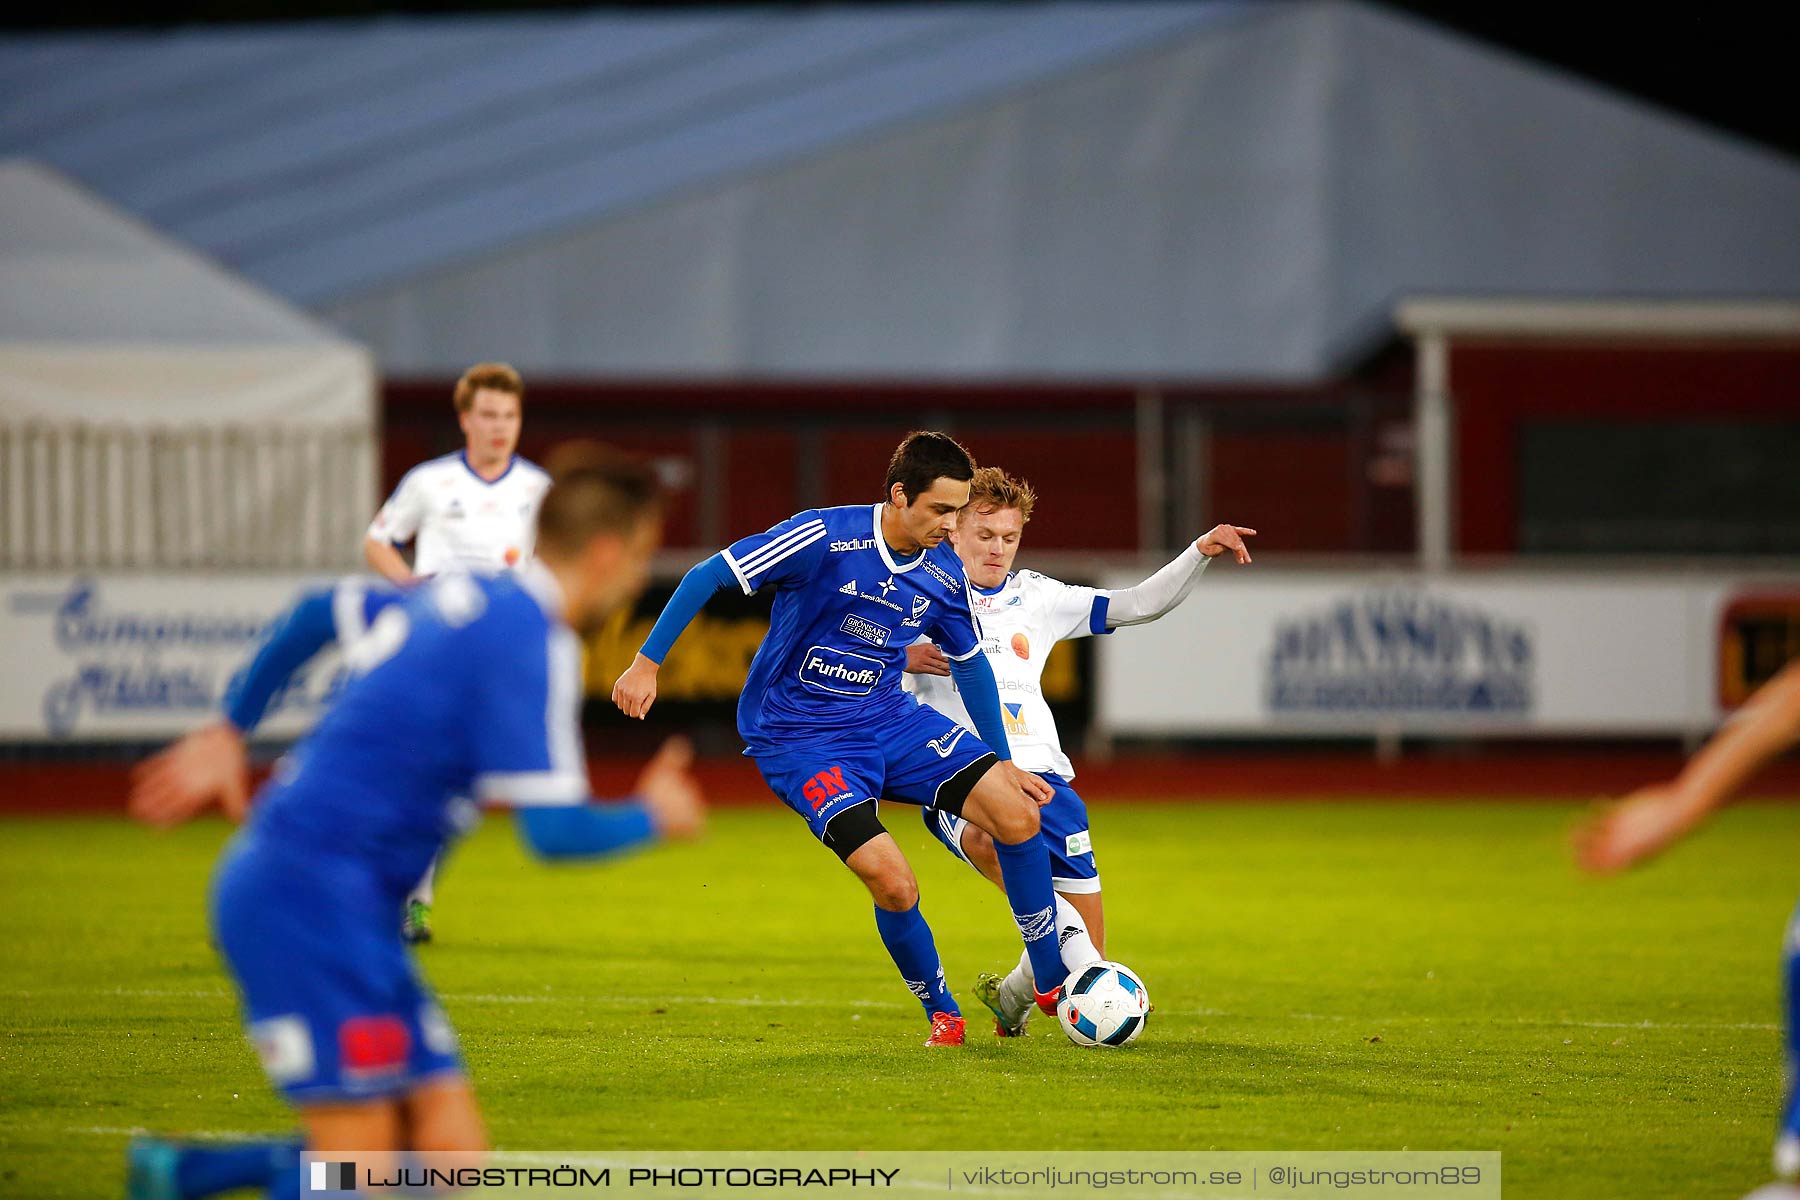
<point>1327,976</point>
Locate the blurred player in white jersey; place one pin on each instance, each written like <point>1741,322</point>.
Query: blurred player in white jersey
<point>475,510</point>
<point>1023,614</point>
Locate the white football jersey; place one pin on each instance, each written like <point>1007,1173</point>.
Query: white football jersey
<point>461,520</point>
<point>1020,622</point>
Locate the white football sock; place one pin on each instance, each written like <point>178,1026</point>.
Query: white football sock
<point>1077,952</point>
<point>422,890</point>
<point>1072,932</point>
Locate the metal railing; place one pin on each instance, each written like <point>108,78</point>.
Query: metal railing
<point>76,496</point>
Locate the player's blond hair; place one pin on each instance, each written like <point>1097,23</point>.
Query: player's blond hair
<point>993,488</point>
<point>494,376</point>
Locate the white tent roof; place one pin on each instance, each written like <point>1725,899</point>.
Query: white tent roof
<point>103,319</point>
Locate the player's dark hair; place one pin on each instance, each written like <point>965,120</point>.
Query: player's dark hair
<point>925,457</point>
<point>594,489</point>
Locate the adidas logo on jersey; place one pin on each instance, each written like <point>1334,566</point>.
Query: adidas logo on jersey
<point>849,589</point>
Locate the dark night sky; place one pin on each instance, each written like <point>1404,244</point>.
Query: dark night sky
<point>1720,63</point>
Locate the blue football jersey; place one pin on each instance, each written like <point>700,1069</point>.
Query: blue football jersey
<point>470,687</point>
<point>846,608</point>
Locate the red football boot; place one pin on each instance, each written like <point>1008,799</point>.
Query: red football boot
<point>1047,1001</point>
<point>947,1029</point>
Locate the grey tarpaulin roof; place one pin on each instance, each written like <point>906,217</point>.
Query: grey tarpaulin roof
<point>75,270</point>
<point>104,320</point>
<point>1204,190</point>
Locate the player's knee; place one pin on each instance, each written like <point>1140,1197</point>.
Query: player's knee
<point>894,889</point>
<point>1016,820</point>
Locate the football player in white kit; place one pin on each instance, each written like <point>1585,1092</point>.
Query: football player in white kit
<point>1022,615</point>
<point>474,510</point>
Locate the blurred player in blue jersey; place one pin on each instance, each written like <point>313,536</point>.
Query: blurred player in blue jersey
<point>1652,818</point>
<point>1023,615</point>
<point>467,688</point>
<point>824,716</point>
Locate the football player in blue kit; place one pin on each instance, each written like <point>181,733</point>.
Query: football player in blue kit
<point>1653,818</point>
<point>464,688</point>
<point>830,728</point>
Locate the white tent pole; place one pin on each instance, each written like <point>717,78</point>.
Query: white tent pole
<point>1434,432</point>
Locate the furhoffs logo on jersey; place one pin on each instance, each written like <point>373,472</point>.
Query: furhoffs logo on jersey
<point>1401,652</point>
<point>839,671</point>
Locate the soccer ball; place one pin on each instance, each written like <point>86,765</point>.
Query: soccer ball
<point>1104,1004</point>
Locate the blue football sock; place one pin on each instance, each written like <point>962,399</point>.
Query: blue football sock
<point>207,1170</point>
<point>1025,869</point>
<point>1790,975</point>
<point>908,940</point>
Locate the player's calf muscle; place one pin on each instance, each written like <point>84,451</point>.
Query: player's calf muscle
<point>885,872</point>
<point>442,1117</point>
<point>978,847</point>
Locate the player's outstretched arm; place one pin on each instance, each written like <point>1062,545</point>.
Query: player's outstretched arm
<point>1162,592</point>
<point>211,764</point>
<point>291,642</point>
<point>206,766</point>
<point>1652,818</point>
<point>635,690</point>
<point>381,555</point>
<point>667,803</point>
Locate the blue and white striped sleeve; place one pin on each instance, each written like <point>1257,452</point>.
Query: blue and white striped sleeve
<point>526,727</point>
<point>788,553</point>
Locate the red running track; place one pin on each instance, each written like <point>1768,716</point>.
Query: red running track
<point>1257,776</point>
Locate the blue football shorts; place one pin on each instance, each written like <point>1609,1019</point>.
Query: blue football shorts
<point>1063,824</point>
<point>915,756</point>
<point>331,999</point>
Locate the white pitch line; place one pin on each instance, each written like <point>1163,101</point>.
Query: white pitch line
<point>637,1001</point>
<point>801,1002</point>
<point>489,998</point>
<point>203,1135</point>
<point>1540,1021</point>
